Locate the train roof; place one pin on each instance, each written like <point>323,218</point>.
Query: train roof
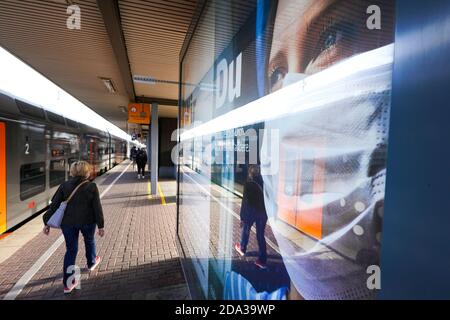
<point>20,108</point>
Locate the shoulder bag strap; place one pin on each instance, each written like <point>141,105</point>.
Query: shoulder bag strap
<point>75,190</point>
<point>259,187</point>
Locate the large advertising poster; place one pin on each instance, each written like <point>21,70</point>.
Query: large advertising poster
<point>293,118</point>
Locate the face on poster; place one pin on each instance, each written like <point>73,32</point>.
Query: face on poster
<point>328,191</point>
<point>312,35</point>
<point>325,203</point>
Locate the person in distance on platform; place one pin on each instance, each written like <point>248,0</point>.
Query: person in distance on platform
<point>141,160</point>
<point>133,153</point>
<point>83,214</point>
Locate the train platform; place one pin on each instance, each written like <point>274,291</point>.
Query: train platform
<point>139,256</point>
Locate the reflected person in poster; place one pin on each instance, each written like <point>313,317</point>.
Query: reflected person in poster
<point>253,211</point>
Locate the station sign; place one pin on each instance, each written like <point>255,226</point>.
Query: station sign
<point>139,113</point>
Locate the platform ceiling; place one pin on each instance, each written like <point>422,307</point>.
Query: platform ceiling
<point>117,40</point>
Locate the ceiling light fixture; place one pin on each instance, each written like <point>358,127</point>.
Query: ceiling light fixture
<point>109,85</point>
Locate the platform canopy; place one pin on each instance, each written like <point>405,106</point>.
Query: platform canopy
<point>98,60</point>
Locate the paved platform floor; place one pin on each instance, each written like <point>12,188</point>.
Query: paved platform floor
<point>210,226</point>
<point>140,260</point>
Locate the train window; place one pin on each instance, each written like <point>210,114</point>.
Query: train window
<point>74,144</point>
<point>307,179</point>
<point>56,118</point>
<point>30,110</point>
<point>70,161</point>
<point>32,179</point>
<point>289,180</point>
<point>58,152</point>
<point>57,172</point>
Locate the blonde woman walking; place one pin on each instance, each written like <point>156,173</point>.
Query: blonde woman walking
<point>83,214</point>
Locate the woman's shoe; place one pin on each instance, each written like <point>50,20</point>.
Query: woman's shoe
<point>97,262</point>
<point>70,288</point>
<point>237,247</point>
<point>260,264</point>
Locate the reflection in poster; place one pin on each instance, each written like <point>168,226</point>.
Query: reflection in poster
<point>287,151</point>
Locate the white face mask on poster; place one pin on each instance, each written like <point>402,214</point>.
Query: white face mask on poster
<point>330,181</point>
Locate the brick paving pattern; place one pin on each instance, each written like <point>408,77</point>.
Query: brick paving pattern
<point>139,256</point>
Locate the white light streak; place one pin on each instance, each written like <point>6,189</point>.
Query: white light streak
<point>25,83</point>
<point>302,95</point>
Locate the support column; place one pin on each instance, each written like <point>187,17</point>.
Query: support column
<point>154,137</point>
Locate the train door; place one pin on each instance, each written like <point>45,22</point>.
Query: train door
<point>59,149</point>
<point>301,186</point>
<point>309,216</point>
<point>74,153</point>
<point>32,159</point>
<point>2,177</point>
<point>91,151</point>
<point>287,188</point>
<point>109,148</point>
